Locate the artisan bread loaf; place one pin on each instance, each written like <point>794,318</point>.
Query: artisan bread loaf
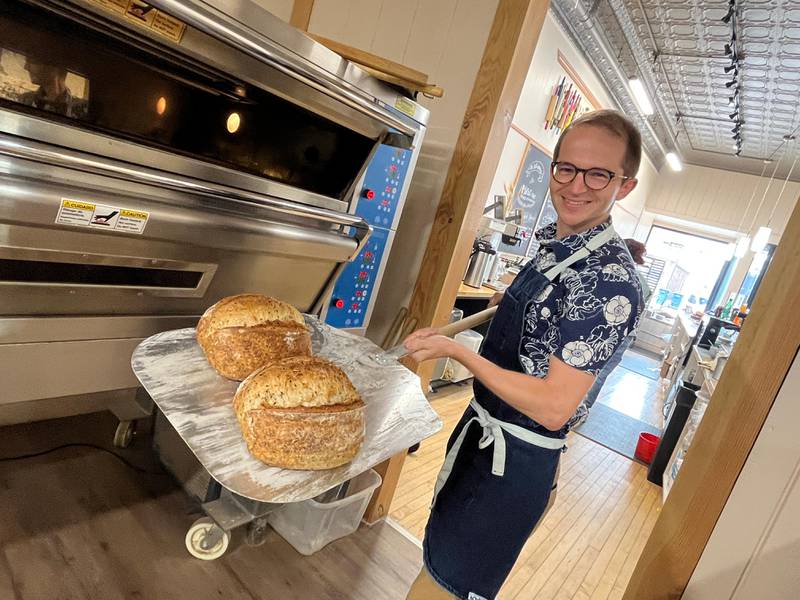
<point>300,413</point>
<point>241,333</point>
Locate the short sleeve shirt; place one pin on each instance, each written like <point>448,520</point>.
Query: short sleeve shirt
<point>586,312</point>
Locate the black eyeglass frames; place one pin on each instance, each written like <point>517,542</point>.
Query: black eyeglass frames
<point>595,178</point>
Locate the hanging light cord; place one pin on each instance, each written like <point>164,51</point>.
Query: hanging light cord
<point>752,196</point>
<point>785,181</point>
<point>766,189</point>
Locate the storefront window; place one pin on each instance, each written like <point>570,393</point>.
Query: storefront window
<point>687,266</point>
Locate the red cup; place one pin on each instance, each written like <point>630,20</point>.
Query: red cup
<point>646,447</point>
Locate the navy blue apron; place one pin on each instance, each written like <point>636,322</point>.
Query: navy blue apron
<point>497,478</point>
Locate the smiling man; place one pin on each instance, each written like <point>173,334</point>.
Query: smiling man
<point>557,325</point>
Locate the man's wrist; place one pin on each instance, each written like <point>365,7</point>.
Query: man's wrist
<point>459,352</point>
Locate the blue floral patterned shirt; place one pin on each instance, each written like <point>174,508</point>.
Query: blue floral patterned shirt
<point>588,310</point>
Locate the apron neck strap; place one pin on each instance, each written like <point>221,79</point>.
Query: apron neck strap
<point>592,245</point>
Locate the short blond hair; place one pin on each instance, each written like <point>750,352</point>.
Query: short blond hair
<point>618,124</point>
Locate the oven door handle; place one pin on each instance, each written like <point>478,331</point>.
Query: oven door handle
<point>218,25</point>
<point>61,157</point>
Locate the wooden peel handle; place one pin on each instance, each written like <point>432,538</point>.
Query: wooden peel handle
<point>470,321</point>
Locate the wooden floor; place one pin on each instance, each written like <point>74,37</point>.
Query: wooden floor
<point>78,524</point>
<point>587,545</point>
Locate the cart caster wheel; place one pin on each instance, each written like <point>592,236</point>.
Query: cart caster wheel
<point>124,434</point>
<point>256,533</point>
<point>206,540</point>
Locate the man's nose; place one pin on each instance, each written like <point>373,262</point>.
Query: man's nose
<point>578,184</point>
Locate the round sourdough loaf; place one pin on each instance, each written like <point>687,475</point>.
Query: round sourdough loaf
<point>241,333</point>
<point>300,413</point>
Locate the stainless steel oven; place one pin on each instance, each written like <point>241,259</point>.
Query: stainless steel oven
<point>157,157</point>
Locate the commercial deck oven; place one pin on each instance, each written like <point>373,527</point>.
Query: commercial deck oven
<point>157,157</point>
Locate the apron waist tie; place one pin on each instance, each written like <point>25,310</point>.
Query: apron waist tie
<point>493,432</point>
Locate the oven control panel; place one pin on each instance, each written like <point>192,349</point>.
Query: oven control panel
<point>379,202</point>
<point>353,291</point>
<point>381,192</point>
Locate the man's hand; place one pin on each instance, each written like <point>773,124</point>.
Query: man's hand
<point>427,344</point>
<point>495,299</point>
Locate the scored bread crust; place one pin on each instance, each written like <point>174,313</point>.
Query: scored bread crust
<point>240,334</point>
<point>235,352</point>
<point>300,381</point>
<point>304,438</point>
<point>245,310</point>
<point>300,413</point>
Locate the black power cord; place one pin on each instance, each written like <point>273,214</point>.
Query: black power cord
<point>119,457</point>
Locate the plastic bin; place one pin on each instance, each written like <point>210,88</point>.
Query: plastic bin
<point>312,524</point>
<point>455,371</point>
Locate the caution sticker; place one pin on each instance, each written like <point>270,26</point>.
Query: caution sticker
<point>146,16</point>
<point>132,221</point>
<point>79,213</point>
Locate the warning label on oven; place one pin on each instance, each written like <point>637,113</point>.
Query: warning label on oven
<point>147,16</point>
<point>132,221</point>
<point>101,216</point>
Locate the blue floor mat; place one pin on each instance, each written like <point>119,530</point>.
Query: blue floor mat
<point>640,363</point>
<point>614,430</point>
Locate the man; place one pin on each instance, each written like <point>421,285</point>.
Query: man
<point>556,326</point>
<point>53,94</point>
<point>638,251</point>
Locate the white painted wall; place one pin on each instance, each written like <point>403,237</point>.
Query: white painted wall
<point>754,550</point>
<point>720,198</point>
<point>544,73</point>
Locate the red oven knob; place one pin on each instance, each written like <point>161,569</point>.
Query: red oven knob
<point>369,194</point>
<point>338,303</point>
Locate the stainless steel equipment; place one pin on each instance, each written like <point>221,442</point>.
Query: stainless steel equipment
<point>155,158</point>
<point>480,261</point>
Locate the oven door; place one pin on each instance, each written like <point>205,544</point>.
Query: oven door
<point>83,77</point>
<point>78,292</point>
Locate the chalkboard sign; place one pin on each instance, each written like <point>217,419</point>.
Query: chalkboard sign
<point>532,186</point>
<point>548,214</point>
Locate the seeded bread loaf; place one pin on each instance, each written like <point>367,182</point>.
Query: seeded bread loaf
<point>241,333</point>
<point>300,413</point>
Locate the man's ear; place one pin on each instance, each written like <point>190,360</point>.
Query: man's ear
<point>626,188</point>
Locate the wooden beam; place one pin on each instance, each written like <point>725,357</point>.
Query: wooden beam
<point>492,104</point>
<point>498,85</point>
<point>301,14</point>
<point>760,360</point>
<point>389,470</point>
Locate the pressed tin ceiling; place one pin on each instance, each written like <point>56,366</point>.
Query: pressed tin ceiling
<point>678,49</point>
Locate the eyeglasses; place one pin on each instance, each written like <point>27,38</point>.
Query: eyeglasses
<point>595,178</point>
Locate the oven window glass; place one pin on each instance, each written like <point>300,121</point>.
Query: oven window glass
<point>54,67</point>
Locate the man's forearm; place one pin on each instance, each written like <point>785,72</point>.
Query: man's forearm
<point>534,397</point>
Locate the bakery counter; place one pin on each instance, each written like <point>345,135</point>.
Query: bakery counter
<point>468,292</point>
